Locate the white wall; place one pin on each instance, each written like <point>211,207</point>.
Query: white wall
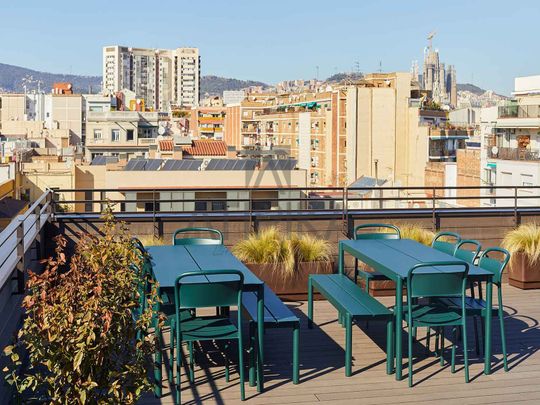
<point>304,140</point>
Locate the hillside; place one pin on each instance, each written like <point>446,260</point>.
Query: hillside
<point>470,87</point>
<point>12,79</point>
<point>215,85</point>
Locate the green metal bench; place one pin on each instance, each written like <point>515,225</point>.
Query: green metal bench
<point>276,315</point>
<point>352,303</point>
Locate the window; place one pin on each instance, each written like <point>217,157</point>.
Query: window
<point>115,135</point>
<point>97,134</point>
<point>129,134</point>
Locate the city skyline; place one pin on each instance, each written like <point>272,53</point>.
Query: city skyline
<point>251,42</point>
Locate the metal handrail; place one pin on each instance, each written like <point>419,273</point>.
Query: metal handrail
<point>22,229</point>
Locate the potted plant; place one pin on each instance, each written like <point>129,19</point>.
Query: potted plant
<point>523,243</point>
<point>85,336</point>
<point>379,288</point>
<point>284,263</point>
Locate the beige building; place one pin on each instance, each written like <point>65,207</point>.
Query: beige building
<point>12,107</point>
<point>162,78</point>
<point>203,188</point>
<point>67,114</point>
<point>125,134</point>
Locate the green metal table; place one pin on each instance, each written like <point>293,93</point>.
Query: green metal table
<point>394,258</point>
<point>169,262</point>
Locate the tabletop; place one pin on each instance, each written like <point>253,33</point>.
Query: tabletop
<point>169,262</point>
<point>398,256</point>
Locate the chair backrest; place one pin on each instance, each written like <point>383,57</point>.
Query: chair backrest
<point>445,245</point>
<point>428,280</point>
<point>468,255</point>
<point>203,289</point>
<point>496,266</point>
<point>197,240</point>
<point>393,233</point>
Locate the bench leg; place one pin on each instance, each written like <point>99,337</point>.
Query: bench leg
<point>348,345</point>
<point>390,347</point>
<point>310,304</point>
<point>296,338</point>
<point>252,349</point>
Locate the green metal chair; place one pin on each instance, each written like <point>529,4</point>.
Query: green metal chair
<point>444,245</point>
<point>197,240</point>
<point>358,235</point>
<point>201,289</point>
<point>424,284</point>
<point>468,251</point>
<point>477,306</point>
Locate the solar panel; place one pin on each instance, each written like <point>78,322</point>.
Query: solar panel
<point>130,165</point>
<point>98,161</point>
<point>168,165</point>
<point>250,164</point>
<point>153,164</point>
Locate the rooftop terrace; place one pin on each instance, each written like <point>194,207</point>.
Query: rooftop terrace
<point>322,376</point>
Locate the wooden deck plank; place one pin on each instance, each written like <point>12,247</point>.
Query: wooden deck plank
<point>322,377</point>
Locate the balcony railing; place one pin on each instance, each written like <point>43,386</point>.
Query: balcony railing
<point>513,153</point>
<point>519,111</point>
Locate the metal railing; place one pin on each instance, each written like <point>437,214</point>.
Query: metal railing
<point>19,236</point>
<point>519,111</point>
<point>513,153</point>
<point>287,199</point>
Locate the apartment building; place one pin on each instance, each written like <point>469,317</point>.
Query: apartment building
<point>208,122</point>
<point>376,127</point>
<point>513,147</point>
<point>120,133</point>
<point>162,78</point>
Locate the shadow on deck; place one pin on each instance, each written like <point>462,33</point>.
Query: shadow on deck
<point>322,376</point>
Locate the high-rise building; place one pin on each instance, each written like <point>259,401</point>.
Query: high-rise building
<point>161,77</point>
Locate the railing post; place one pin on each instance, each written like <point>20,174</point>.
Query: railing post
<point>20,257</point>
<point>155,230</point>
<point>516,219</point>
<point>250,202</point>
<point>433,216</point>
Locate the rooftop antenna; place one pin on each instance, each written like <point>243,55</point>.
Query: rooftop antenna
<point>430,39</point>
<point>380,66</point>
<point>317,67</point>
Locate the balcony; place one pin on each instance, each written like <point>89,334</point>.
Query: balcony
<point>326,212</point>
<point>513,153</point>
<point>519,111</point>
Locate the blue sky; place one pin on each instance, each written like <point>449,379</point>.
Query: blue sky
<point>489,42</point>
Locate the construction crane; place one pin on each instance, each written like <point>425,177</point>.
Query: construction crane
<point>430,38</point>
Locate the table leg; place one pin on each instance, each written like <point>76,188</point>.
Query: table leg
<point>489,309</point>
<point>158,356</point>
<point>341,259</point>
<point>399,325</point>
<point>260,335</point>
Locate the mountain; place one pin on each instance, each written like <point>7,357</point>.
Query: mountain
<point>215,85</point>
<point>470,87</point>
<point>338,77</point>
<point>12,79</point>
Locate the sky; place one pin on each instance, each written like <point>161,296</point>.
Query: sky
<point>489,42</point>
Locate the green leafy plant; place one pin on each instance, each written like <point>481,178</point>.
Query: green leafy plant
<point>85,333</point>
<point>524,239</point>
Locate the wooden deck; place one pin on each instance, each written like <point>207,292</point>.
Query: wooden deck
<point>322,377</point>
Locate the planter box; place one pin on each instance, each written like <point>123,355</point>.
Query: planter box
<point>380,288</point>
<point>294,288</point>
<point>522,273</point>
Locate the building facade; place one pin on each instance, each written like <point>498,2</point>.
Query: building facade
<point>162,78</point>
